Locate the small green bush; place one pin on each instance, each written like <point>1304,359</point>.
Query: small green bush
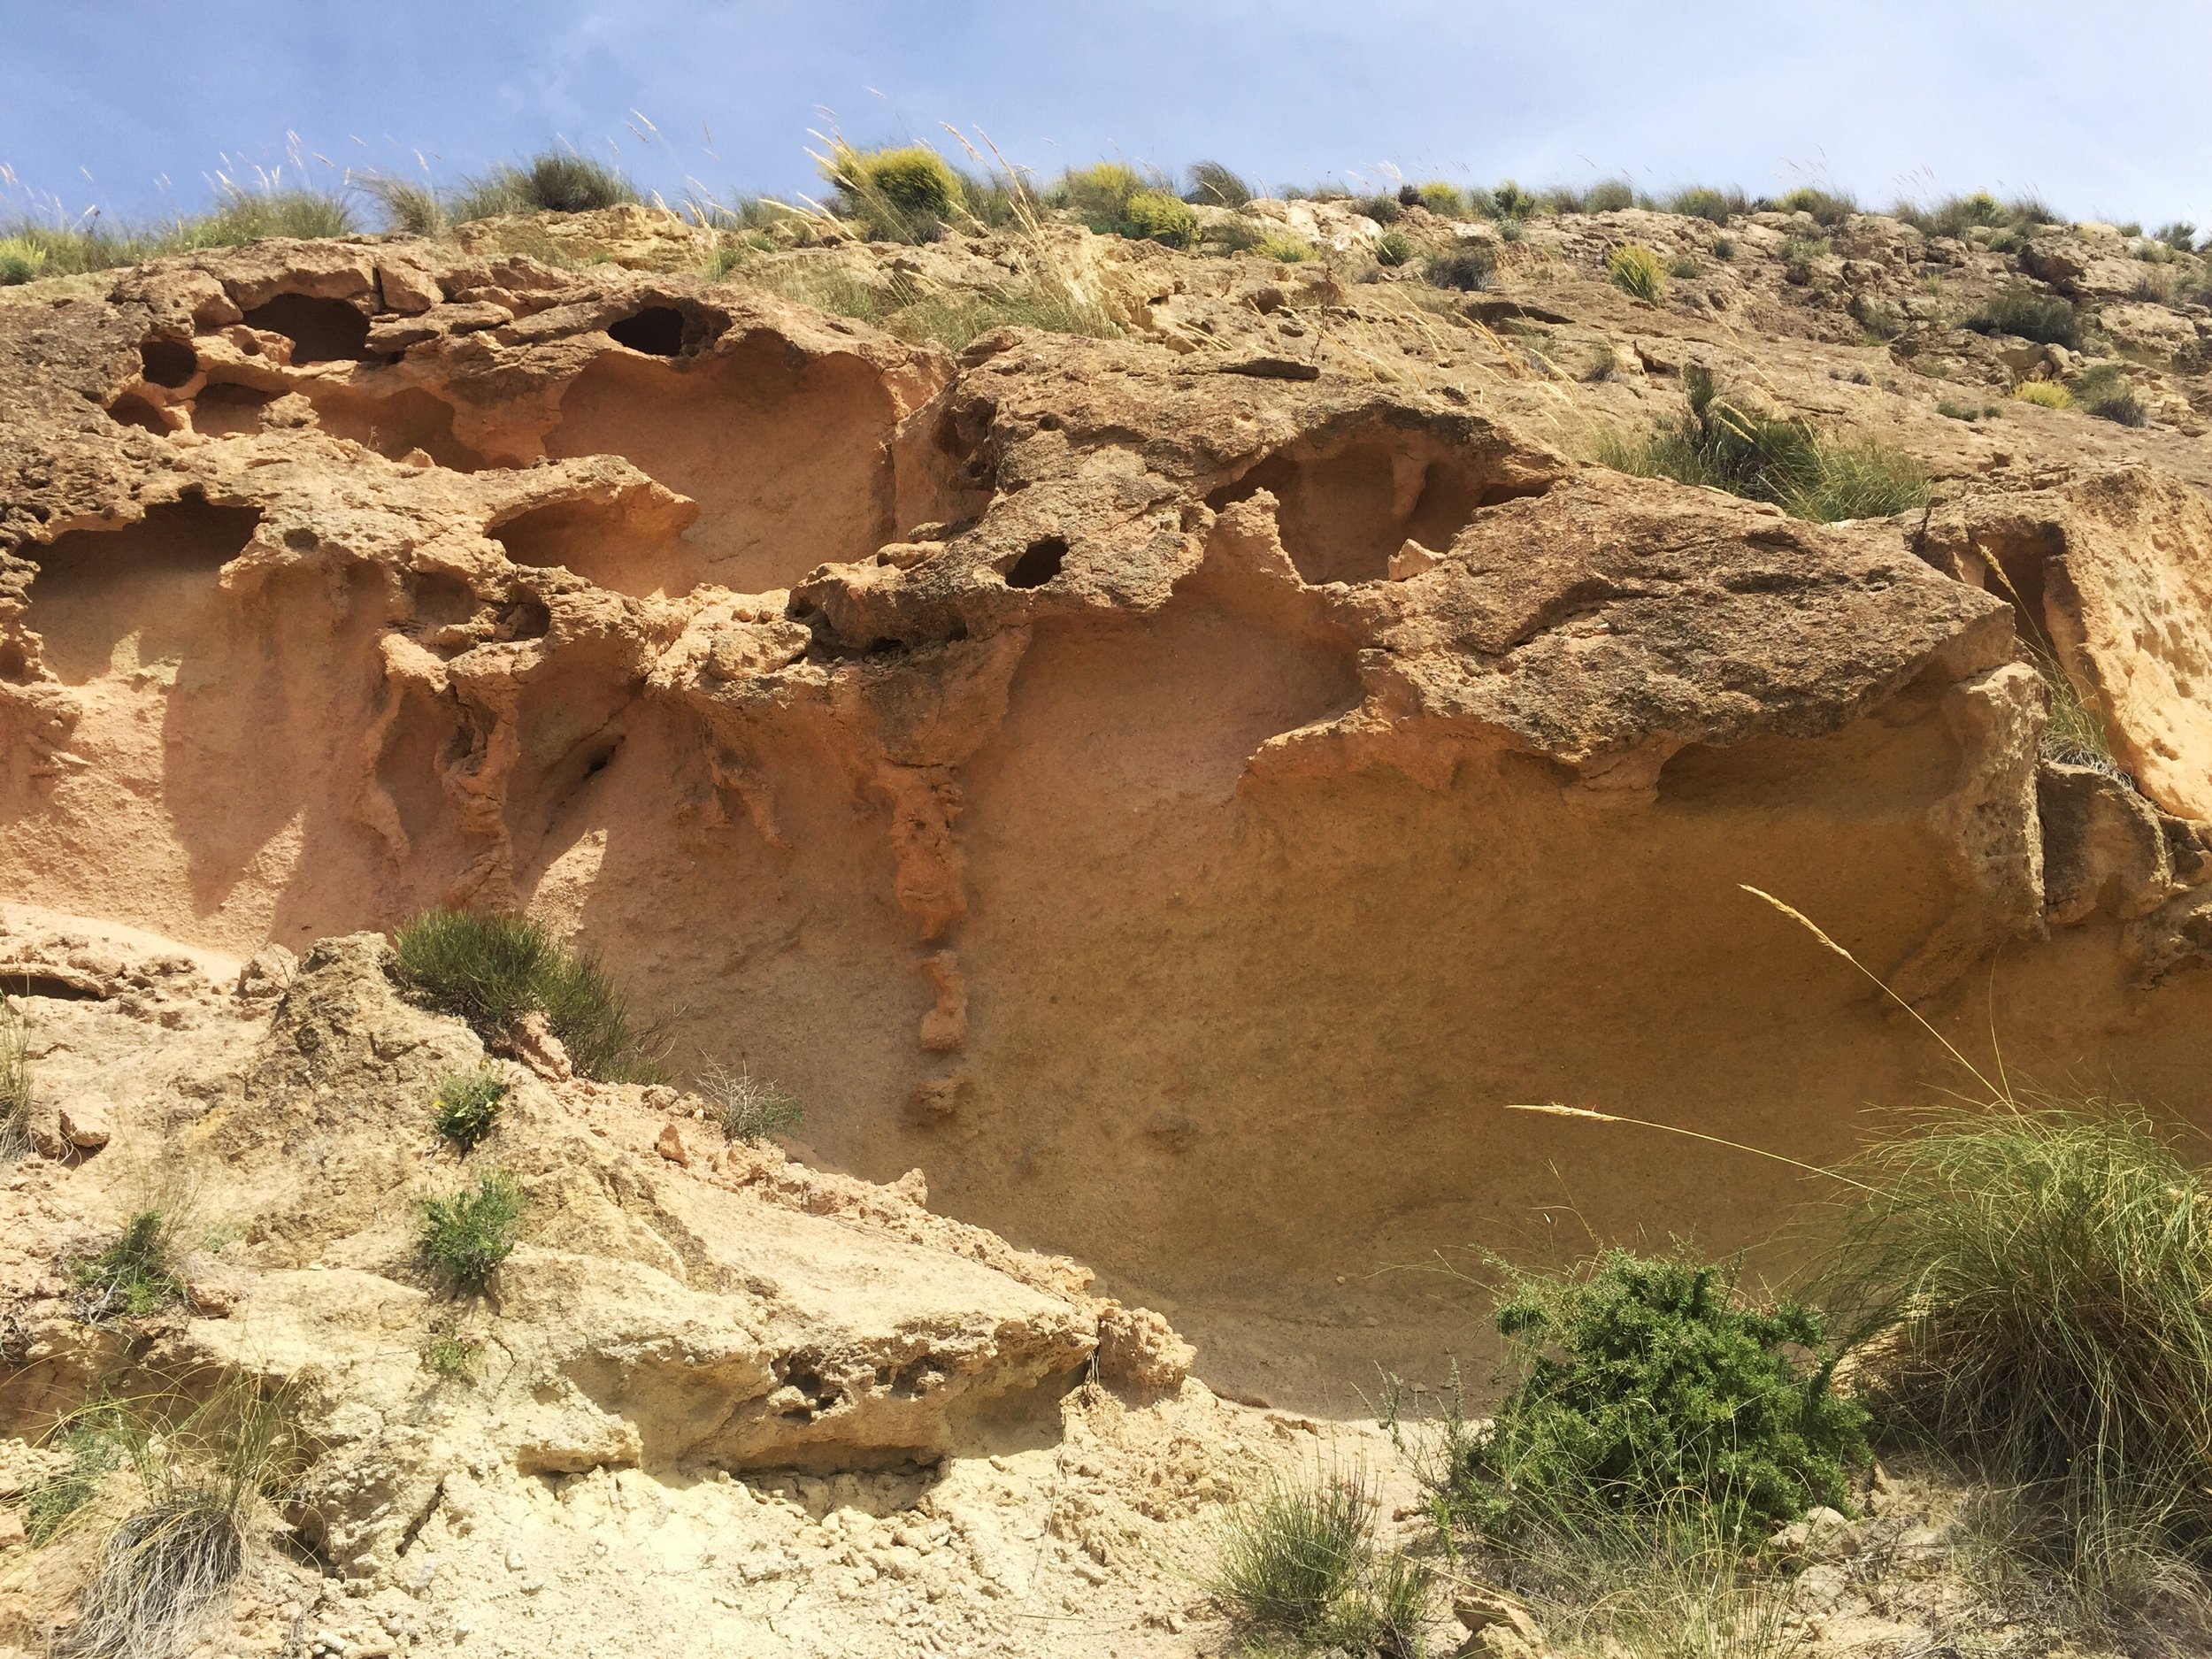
<point>1723,444</point>
<point>1508,200</point>
<point>2043,394</point>
<point>2104,390</point>
<point>1213,185</point>
<point>1723,248</point>
<point>137,1274</point>
<point>493,970</point>
<point>1395,248</point>
<point>1952,411</point>
<point>1682,267</point>
<point>1156,215</point>
<point>2180,235</point>
<point>410,208</point>
<point>747,1108</point>
<point>552,181</point>
<point>909,193</point>
<point>466,1105</point>
<point>1298,1563</point>
<point>466,1236</point>
<point>1099,195</point>
<point>1636,270</point>
<point>2046,319</point>
<point>1281,245</point>
<point>1442,199</point>
<point>1643,1379</point>
<point>450,1356</point>
<point>1384,209</point>
<point>1609,196</point>
<point>21,260</point>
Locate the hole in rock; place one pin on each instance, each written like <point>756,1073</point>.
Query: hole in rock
<point>1039,564</point>
<point>131,409</point>
<point>395,423</point>
<point>115,600</point>
<point>168,362</point>
<point>657,330</point>
<point>599,542</point>
<point>224,412</point>
<point>1347,502</point>
<point>320,330</point>
<point>788,456</point>
<point>48,985</point>
<point>441,598</point>
<point>527,619</point>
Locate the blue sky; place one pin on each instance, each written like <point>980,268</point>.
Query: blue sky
<point>2099,108</point>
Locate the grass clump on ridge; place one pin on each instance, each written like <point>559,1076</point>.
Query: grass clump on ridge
<point>30,249</point>
<point>1116,200</point>
<point>493,970</point>
<point>909,193</point>
<point>1637,271</point>
<point>1298,1563</point>
<point>1783,459</point>
<point>2046,319</point>
<point>465,1236</point>
<point>207,1471</point>
<point>552,181</point>
<point>1213,185</point>
<point>2043,394</point>
<point>466,1105</point>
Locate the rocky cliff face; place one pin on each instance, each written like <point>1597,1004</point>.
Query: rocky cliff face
<point>1174,790</point>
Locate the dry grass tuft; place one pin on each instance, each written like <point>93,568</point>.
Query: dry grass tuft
<point>15,1082</point>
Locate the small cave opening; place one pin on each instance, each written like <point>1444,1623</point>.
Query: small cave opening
<point>228,410</point>
<point>1040,563</point>
<point>320,330</point>
<point>53,988</point>
<point>167,361</point>
<point>131,409</point>
<point>657,330</point>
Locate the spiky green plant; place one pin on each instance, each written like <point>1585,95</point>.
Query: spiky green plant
<point>466,1104</point>
<point>1298,1562</point>
<point>551,181</point>
<point>138,1274</point>
<point>1213,185</point>
<point>466,1235</point>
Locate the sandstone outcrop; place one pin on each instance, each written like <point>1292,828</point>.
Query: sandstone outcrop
<point>1171,789</point>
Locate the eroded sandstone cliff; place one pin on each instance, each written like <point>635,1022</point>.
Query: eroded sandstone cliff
<point>1174,790</point>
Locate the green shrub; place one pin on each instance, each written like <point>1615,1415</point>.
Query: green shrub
<point>1384,209</point>
<point>136,1275</point>
<point>493,970</point>
<point>1442,199</point>
<point>1099,195</point>
<point>1298,1563</point>
<point>409,208</point>
<point>908,193</point>
<point>1213,185</point>
<point>21,260</point>
<point>1395,248</point>
<point>1468,267</point>
<point>1281,245</point>
<point>1609,196</point>
<point>2104,390</point>
<point>2043,394</point>
<point>552,181</point>
<point>1156,215</point>
<point>464,1236</point>
<point>1952,411</point>
<point>1636,270</point>
<point>1723,248</point>
<point>2180,235</point>
<point>1723,444</point>
<point>747,1108</point>
<point>2034,1282</point>
<point>15,1082</point>
<point>1508,200</point>
<point>2046,319</point>
<point>466,1105</point>
<point>1641,1379</point>
<point>1684,267</point>
<point>1703,201</point>
<point>448,1355</point>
